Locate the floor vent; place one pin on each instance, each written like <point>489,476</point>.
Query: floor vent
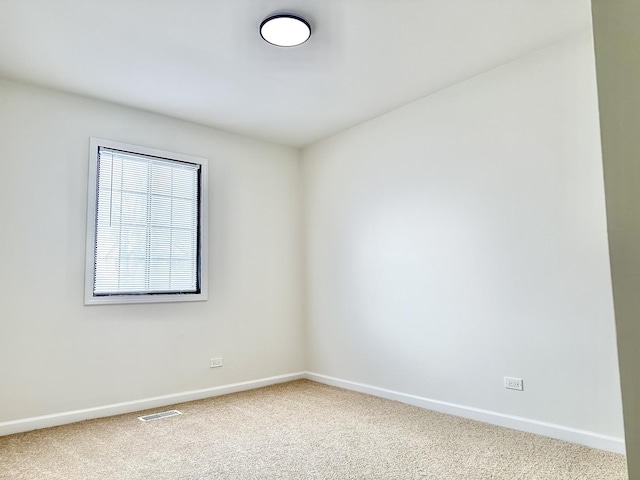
<point>156,416</point>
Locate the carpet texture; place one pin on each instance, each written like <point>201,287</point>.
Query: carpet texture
<point>297,430</point>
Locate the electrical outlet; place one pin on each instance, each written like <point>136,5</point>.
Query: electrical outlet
<point>216,362</point>
<point>513,383</point>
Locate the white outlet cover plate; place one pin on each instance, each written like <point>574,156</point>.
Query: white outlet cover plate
<point>513,383</point>
<point>216,362</point>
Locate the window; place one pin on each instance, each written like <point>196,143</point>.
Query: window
<point>146,225</point>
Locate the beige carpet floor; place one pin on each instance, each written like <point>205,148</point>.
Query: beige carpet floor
<point>297,430</point>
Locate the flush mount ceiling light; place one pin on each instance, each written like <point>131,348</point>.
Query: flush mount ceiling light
<point>285,30</point>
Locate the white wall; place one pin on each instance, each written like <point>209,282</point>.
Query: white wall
<point>58,355</point>
<point>462,238</point>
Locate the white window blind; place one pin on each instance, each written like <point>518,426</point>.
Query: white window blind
<point>147,230</point>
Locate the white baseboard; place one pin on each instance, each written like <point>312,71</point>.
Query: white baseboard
<point>561,432</point>
<point>33,423</point>
<point>583,437</point>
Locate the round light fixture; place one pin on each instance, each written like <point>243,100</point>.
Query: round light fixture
<point>285,30</point>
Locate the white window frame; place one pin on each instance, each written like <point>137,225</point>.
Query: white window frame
<point>89,297</point>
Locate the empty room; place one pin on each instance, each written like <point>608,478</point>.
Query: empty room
<point>338,239</point>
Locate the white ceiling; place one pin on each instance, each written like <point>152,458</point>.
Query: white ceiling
<point>204,60</point>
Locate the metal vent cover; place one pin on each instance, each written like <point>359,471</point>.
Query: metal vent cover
<point>157,416</point>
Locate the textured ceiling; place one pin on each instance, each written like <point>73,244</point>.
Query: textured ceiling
<point>204,60</point>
